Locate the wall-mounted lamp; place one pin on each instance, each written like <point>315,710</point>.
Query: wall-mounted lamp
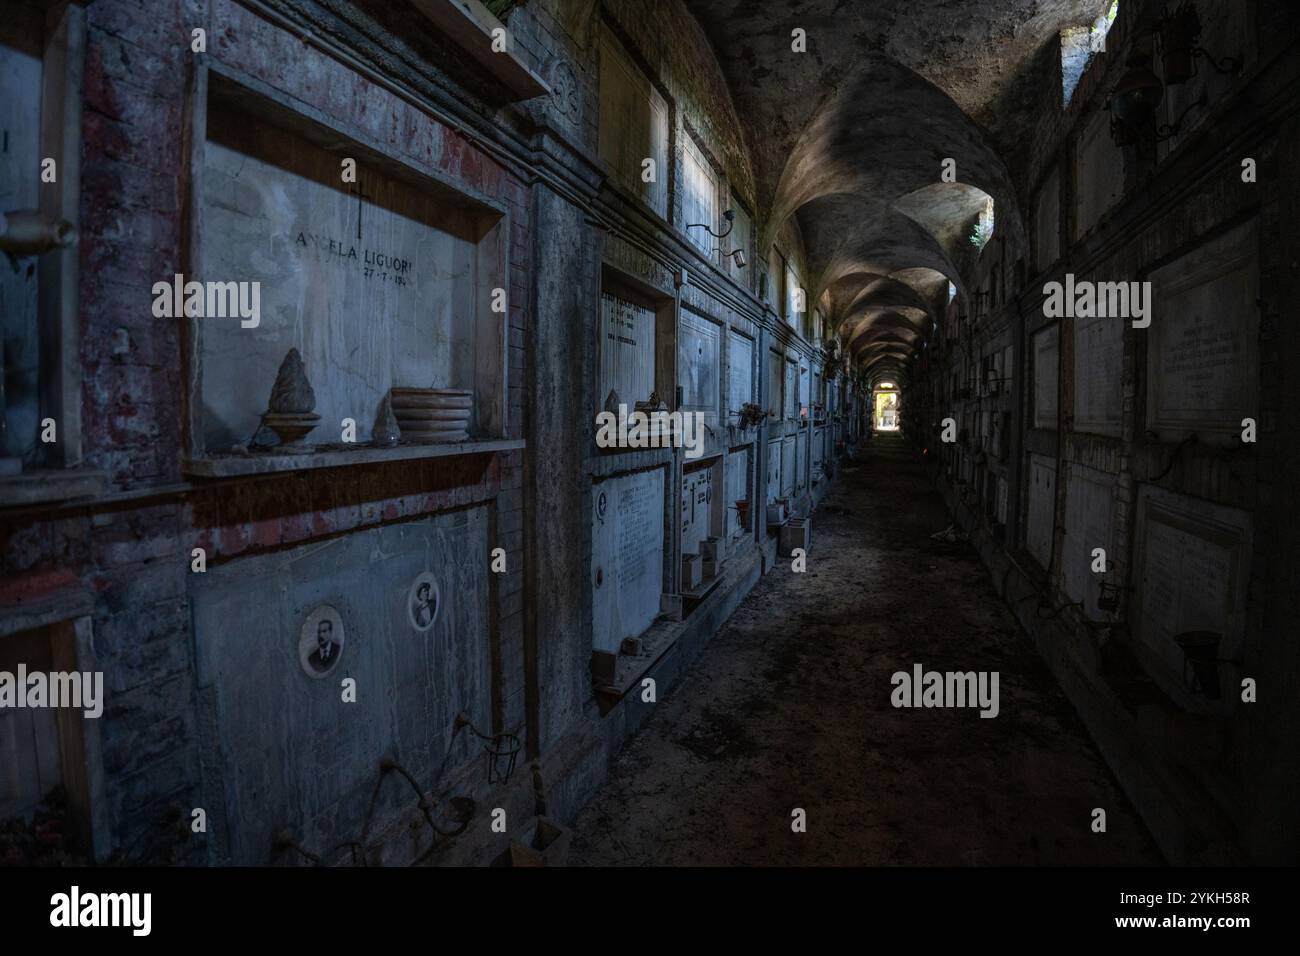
<point>1201,662</point>
<point>1133,105</point>
<point>729,215</point>
<point>735,255</point>
<point>1179,34</point>
<point>1139,92</point>
<point>1134,100</point>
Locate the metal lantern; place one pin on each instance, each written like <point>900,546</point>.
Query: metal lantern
<point>1135,99</point>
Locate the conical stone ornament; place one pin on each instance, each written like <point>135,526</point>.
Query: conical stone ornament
<point>386,432</point>
<point>292,394</point>
<point>289,412</point>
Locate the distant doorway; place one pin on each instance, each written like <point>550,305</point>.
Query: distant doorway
<point>885,408</point>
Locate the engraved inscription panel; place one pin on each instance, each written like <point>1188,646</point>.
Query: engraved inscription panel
<point>773,470</point>
<point>1098,368</point>
<point>627,530</point>
<point>1191,572</point>
<point>740,373</point>
<point>698,356</point>
<point>627,351</point>
<point>375,283</point>
<point>1203,361</point>
<point>697,503</point>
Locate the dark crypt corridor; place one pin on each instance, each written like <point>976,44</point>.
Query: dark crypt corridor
<point>785,709</point>
<point>649,434</point>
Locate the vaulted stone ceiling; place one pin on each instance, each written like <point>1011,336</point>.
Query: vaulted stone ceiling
<point>848,139</point>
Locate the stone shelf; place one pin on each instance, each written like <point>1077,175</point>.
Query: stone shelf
<point>701,592</point>
<point>64,606</point>
<point>264,463</point>
<point>469,25</point>
<point>655,643</point>
<point>45,486</point>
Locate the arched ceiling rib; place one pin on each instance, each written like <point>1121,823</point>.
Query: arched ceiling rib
<point>849,139</point>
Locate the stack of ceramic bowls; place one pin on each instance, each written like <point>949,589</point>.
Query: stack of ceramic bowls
<point>431,415</point>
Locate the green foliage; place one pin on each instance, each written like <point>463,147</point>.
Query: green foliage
<point>501,8</point>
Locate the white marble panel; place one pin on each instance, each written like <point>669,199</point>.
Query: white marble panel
<point>627,530</point>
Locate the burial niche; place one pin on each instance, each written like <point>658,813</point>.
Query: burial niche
<point>386,282</point>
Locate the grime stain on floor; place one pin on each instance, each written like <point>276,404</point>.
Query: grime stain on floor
<point>789,707</point>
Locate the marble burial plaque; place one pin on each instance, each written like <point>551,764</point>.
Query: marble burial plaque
<point>801,462</point>
<point>1089,506</point>
<point>376,283</point>
<point>773,470</point>
<point>265,626</point>
<point>697,507</point>
<point>1098,370</point>
<point>627,557</point>
<point>1192,563</point>
<point>1042,508</point>
<point>775,383</point>
<point>1203,357</point>
<point>819,450</point>
<point>737,489</point>
<point>740,373</point>
<point>627,351</point>
<point>792,397</point>
<point>789,474</point>
<point>1046,351</point>
<point>805,392</point>
<point>698,356</point>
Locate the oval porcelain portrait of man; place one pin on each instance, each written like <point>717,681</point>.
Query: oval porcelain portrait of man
<point>320,642</point>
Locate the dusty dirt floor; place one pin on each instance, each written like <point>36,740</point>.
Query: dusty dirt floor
<point>789,707</point>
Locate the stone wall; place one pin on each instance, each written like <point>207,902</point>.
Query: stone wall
<point>199,570</point>
<point>1140,432</point>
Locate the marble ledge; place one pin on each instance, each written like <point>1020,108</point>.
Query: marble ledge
<point>265,463</point>
<point>51,486</point>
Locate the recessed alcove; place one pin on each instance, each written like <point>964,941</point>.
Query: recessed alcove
<point>740,375</point>
<point>50,757</point>
<point>699,357</point>
<point>636,343</point>
<point>396,279</point>
<point>739,484</point>
<point>629,543</point>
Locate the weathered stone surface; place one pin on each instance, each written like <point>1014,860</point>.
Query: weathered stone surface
<point>1203,354</point>
<point>627,557</point>
<point>1191,575</point>
<point>287,750</point>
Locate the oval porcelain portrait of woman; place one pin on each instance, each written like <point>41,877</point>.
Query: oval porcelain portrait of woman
<point>423,601</point>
